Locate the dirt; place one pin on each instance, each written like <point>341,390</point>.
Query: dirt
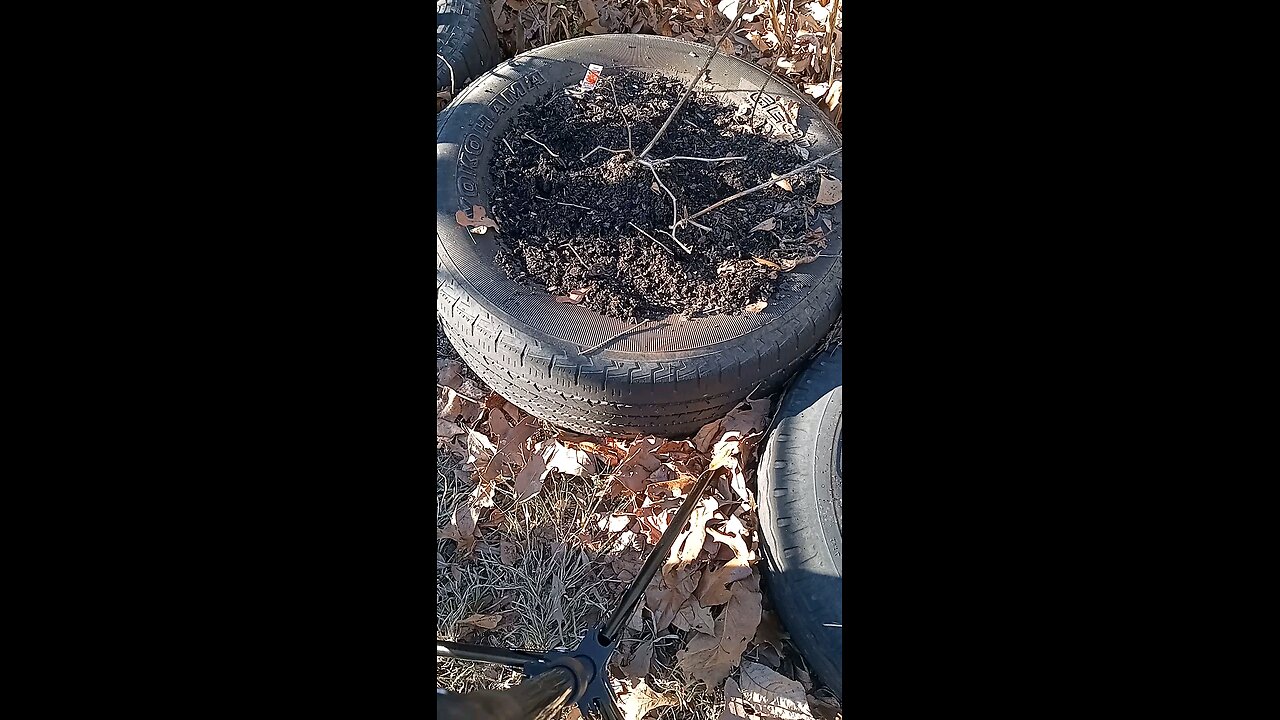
<point>595,255</point>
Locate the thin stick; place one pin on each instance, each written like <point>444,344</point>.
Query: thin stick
<point>689,90</point>
<point>674,211</point>
<point>762,185</point>
<point>575,254</point>
<point>452,92</point>
<point>544,147</point>
<point>642,232</point>
<point>618,107</point>
<point>584,207</point>
<point>673,237</point>
<point>697,224</point>
<point>752,116</point>
<point>593,348</point>
<point>504,142</point>
<point>656,163</point>
<point>601,147</point>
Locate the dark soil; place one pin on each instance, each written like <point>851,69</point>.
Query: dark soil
<point>625,274</point>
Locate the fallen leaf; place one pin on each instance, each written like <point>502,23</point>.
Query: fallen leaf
<point>769,631</point>
<point>507,554</point>
<point>785,183</point>
<point>772,694</point>
<point>756,307</point>
<point>693,616</point>
<point>638,666</point>
<point>697,533</point>
<point>634,471</point>
<point>711,586</point>
<point>589,12</point>
<point>488,622</point>
<point>461,529</point>
<point>446,429</point>
<point>569,461</point>
<point>734,707</point>
<point>509,449</point>
<point>767,263</point>
<point>637,703</point>
<point>528,482</point>
<point>829,191</point>
<point>477,218</point>
<point>766,225</point>
<point>824,709</point>
<point>636,621</point>
<point>574,297</point>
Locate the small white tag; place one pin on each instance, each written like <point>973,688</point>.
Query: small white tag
<point>593,76</point>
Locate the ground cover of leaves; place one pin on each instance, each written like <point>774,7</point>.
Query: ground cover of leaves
<point>799,41</point>
<point>539,530</point>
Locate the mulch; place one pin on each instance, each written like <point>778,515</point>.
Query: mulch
<point>570,215</point>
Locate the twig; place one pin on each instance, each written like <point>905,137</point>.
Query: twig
<point>574,250</point>
<point>511,149</point>
<point>674,211</point>
<point>600,147</point>
<point>762,185</point>
<point>452,92</point>
<point>673,237</point>
<point>618,107</point>
<point>759,93</point>
<point>697,225</point>
<point>656,163</point>
<point>584,207</point>
<point>656,240</point>
<point>544,147</point>
<point>689,90</point>
<point>593,348</point>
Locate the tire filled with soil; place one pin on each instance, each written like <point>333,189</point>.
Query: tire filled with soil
<point>614,285</point>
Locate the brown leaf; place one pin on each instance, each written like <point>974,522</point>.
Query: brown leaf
<point>785,183</point>
<point>637,703</point>
<point>829,191</point>
<point>711,587</point>
<point>824,709</point>
<point>638,666</point>
<point>569,461</point>
<point>734,708</point>
<point>668,592</point>
<point>488,622</point>
<point>508,451</point>
<point>693,616</point>
<point>574,297</point>
<point>772,694</point>
<point>756,307</point>
<point>766,263</point>
<point>634,471</point>
<point>462,528</point>
<point>766,225</point>
<point>477,218</point>
<point>769,631</point>
<point>528,482</point>
<point>589,12</point>
<point>446,429</point>
<point>741,617</point>
<point>697,533</point>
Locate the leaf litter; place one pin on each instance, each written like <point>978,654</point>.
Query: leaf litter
<point>569,519</point>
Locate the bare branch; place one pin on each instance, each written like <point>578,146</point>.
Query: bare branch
<point>673,237</point>
<point>761,186</point>
<point>544,147</point>
<point>657,163</point>
<point>674,210</point>
<point>689,90</point>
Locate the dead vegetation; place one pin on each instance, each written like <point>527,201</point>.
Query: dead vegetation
<point>539,530</point>
<point>798,41</point>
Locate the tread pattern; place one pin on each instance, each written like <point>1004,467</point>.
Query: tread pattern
<point>467,37</point>
<point>799,525</point>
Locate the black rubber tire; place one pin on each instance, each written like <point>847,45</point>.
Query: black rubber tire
<point>799,494</point>
<point>468,40</point>
<point>666,378</point>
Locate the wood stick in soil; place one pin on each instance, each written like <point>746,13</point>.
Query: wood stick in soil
<point>689,90</point>
<point>656,240</point>
<point>761,186</point>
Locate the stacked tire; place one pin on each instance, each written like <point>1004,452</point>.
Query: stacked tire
<point>466,43</point>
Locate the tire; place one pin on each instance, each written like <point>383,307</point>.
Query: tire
<point>667,378</point>
<point>467,39</point>
<point>799,497</point>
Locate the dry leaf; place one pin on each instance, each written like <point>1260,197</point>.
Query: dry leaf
<point>693,616</point>
<point>461,529</point>
<point>734,708</point>
<point>638,666</point>
<point>528,482</point>
<point>785,183</point>
<point>508,451</point>
<point>756,307</point>
<point>634,471</point>
<point>767,263</point>
<point>691,545</point>
<point>711,659</point>
<point>829,191</point>
<point>589,13</point>
<point>488,622</point>
<point>766,225</point>
<point>477,218</point>
<point>769,631</point>
<point>574,297</point>
<point>569,461</point>
<point>824,709</point>
<point>637,703</point>
<point>711,587</point>
<point>772,694</point>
